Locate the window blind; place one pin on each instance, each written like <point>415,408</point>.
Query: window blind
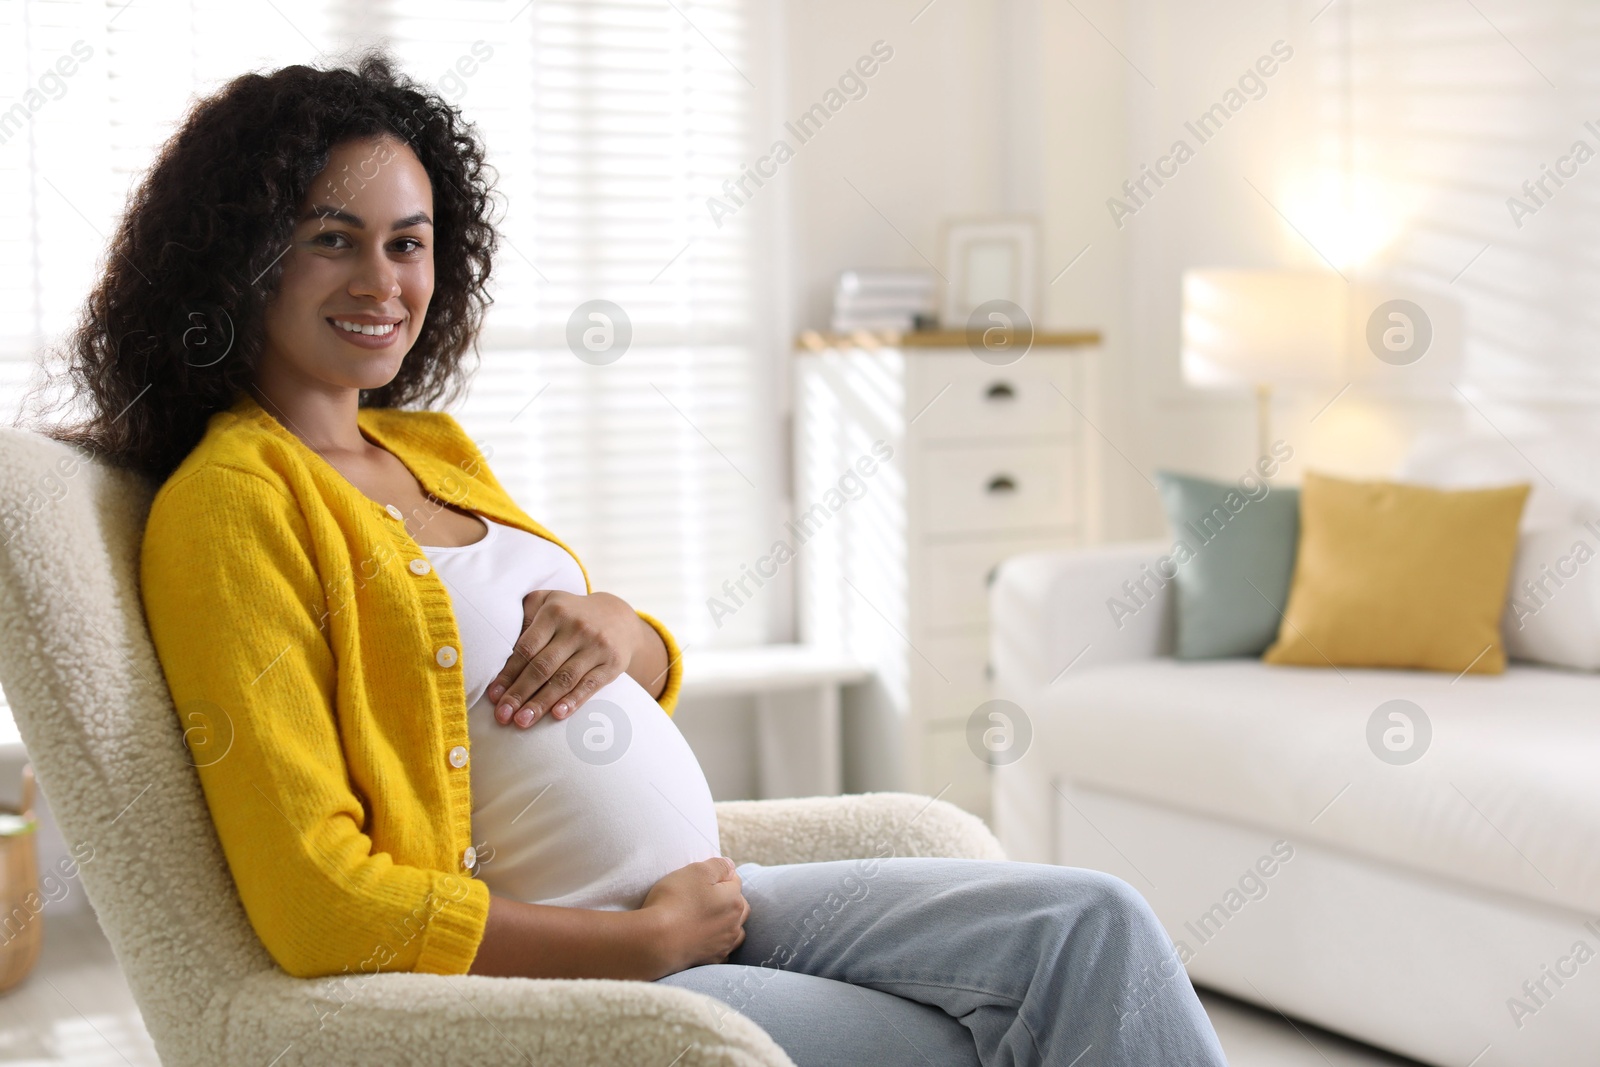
<point>608,125</point>
<point>88,93</point>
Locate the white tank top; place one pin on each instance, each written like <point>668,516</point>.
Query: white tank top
<point>589,811</point>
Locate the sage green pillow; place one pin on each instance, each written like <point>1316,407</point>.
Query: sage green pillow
<point>1233,552</point>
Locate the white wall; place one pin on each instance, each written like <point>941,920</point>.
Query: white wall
<point>1388,147</point>
<point>922,144</point>
<point>988,106</point>
<point>1385,148</point>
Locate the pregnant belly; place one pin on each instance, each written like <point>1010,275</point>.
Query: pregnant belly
<point>589,811</point>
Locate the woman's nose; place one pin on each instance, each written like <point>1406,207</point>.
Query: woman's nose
<point>375,277</point>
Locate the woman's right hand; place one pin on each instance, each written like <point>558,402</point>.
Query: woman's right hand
<point>699,913</point>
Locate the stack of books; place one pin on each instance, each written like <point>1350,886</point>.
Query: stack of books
<point>883,300</point>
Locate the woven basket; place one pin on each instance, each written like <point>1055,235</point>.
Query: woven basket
<point>21,906</point>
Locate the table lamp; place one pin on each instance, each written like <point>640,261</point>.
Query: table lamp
<point>1263,329</point>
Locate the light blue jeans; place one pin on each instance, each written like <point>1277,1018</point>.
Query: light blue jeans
<point>954,962</point>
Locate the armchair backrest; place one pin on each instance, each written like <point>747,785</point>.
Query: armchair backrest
<point>93,709</point>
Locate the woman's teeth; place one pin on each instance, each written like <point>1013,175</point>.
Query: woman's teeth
<point>370,331</point>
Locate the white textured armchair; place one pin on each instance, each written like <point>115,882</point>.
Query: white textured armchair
<point>94,712</point>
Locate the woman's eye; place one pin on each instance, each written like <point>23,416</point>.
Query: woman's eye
<point>405,245</point>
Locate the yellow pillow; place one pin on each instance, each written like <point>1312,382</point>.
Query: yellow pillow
<point>1391,575</point>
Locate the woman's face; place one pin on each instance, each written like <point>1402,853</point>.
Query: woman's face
<point>361,255</point>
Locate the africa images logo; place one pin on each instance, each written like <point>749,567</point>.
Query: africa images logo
<point>599,733</point>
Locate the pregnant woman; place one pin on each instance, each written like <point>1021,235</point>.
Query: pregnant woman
<point>426,743</point>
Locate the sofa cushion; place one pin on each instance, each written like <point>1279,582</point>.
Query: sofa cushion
<point>1553,609</point>
<point>1505,794</point>
<point>1232,557</point>
<point>1392,575</point>
<point>1553,612</point>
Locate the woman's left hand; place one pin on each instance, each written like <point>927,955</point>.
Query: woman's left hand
<point>571,645</point>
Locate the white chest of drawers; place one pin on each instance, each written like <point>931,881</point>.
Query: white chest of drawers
<point>984,462</point>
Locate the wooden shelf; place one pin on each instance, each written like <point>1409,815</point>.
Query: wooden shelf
<point>820,340</point>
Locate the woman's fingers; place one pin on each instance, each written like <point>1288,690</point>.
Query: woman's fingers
<point>598,650</point>
<point>548,662</point>
<point>559,692</point>
<point>514,704</point>
<point>538,627</point>
<point>567,651</point>
<point>563,704</point>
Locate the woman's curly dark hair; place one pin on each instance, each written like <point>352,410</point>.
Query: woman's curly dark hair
<point>173,331</point>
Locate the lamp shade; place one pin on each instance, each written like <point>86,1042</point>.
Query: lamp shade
<point>1247,328</point>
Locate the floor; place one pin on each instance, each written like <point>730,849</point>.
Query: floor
<point>75,1009</point>
<point>1253,1037</point>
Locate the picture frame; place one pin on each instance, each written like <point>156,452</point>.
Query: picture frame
<point>989,258</point>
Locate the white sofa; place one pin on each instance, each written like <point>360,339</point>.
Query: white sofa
<point>1406,905</point>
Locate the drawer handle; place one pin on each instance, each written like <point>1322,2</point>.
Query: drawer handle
<point>1001,483</point>
<point>1000,391</point>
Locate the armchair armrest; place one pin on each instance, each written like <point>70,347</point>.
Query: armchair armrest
<point>469,1019</point>
<point>857,826</point>
<point>1080,607</point>
<point>449,1019</point>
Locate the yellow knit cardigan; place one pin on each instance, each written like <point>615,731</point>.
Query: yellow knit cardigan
<point>314,661</point>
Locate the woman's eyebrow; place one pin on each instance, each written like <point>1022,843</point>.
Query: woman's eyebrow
<point>328,211</point>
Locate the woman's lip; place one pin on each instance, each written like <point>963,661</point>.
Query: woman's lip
<point>363,340</point>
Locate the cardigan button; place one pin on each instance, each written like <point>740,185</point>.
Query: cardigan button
<point>394,512</point>
<point>445,657</point>
<point>420,566</point>
<point>458,757</point>
<point>469,858</point>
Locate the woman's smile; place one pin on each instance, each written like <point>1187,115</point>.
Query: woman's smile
<point>366,331</point>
